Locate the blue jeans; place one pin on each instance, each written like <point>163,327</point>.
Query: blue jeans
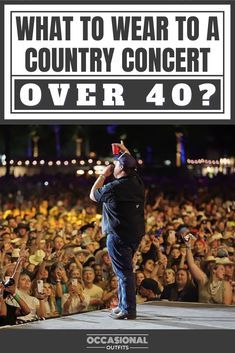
<point>121,255</point>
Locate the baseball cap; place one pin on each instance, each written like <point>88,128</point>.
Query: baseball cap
<point>126,160</point>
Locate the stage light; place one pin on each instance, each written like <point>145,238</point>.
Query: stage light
<point>34,162</point>
<point>66,163</point>
<point>11,161</point>
<point>73,161</point>
<point>58,162</point>
<point>50,163</point>
<point>90,172</point>
<point>90,160</point>
<point>27,162</point>
<point>98,162</point>
<point>19,163</point>
<point>46,183</point>
<point>82,162</point>
<point>106,162</point>
<point>42,162</point>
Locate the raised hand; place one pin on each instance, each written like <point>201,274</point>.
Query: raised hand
<point>155,242</point>
<point>108,170</point>
<point>24,252</point>
<point>122,147</point>
<point>48,251</point>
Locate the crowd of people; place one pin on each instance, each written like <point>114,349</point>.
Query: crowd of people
<point>54,259</point>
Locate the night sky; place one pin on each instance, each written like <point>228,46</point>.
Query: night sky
<point>156,142</point>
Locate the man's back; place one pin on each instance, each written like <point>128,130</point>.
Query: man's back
<point>123,207</point>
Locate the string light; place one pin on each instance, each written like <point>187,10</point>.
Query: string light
<point>80,172</point>
<point>224,161</point>
<point>82,162</point>
<point>210,167</point>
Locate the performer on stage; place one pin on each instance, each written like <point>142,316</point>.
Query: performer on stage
<point>123,223</point>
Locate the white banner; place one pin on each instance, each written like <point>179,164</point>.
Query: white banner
<point>117,61</point>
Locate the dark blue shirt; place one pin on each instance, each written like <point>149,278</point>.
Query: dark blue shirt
<point>123,208</point>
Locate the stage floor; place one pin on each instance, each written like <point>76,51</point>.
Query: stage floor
<point>151,316</point>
